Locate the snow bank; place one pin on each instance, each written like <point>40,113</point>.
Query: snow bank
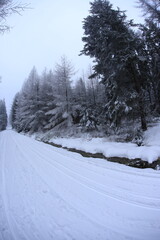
<point>149,152</point>
<point>152,136</point>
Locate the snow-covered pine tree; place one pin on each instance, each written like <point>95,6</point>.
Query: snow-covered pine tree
<point>13,111</point>
<point>79,91</point>
<point>89,98</point>
<point>64,72</point>
<point>3,115</point>
<point>48,96</point>
<point>80,100</point>
<point>33,99</point>
<point>114,46</point>
<point>150,31</point>
<point>151,9</point>
<point>27,116</point>
<point>151,37</point>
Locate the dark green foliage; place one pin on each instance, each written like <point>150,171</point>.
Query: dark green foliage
<point>150,33</point>
<point>151,9</point>
<point>3,115</point>
<point>120,60</point>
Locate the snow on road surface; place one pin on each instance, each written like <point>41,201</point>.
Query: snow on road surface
<point>48,193</point>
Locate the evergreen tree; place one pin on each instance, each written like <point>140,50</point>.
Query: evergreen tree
<point>150,31</point>
<point>48,97</point>
<point>3,115</point>
<point>115,49</point>
<point>13,112</point>
<point>80,94</point>
<point>63,72</point>
<point>151,37</point>
<point>28,104</point>
<point>151,9</point>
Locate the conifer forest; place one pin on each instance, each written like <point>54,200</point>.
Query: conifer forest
<point>119,94</point>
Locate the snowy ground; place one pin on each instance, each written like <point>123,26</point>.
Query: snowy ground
<point>49,193</point>
<point>149,152</point>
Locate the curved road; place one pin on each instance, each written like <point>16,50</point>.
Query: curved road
<point>48,193</point>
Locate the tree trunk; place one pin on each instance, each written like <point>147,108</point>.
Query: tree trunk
<point>142,115</point>
<point>137,83</point>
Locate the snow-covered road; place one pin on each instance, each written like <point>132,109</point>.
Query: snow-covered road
<point>48,193</point>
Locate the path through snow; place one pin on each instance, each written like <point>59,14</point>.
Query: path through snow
<point>48,193</point>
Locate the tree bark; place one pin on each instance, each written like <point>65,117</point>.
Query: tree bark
<point>137,83</point>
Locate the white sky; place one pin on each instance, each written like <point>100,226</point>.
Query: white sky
<point>40,37</point>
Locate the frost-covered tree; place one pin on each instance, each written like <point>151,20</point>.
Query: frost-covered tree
<point>13,113</point>
<point>8,7</point>
<point>28,104</point>
<point>43,101</point>
<point>64,72</point>
<point>108,39</point>
<point>48,100</point>
<point>3,115</point>
<point>89,99</point>
<point>80,93</point>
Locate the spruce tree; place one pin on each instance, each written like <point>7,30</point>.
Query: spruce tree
<point>3,115</point>
<point>151,9</point>
<point>150,31</point>
<point>115,48</point>
<point>13,113</point>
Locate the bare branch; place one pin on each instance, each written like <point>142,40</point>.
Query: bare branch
<point>151,8</point>
<point>7,8</point>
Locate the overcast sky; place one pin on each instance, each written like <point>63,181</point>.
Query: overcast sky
<point>43,34</point>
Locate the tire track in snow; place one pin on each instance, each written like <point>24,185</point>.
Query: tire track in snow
<point>93,183</point>
<point>103,227</point>
<point>122,234</point>
<point>86,182</point>
<point>60,196</point>
<point>53,193</point>
<point>5,231</point>
<point>17,231</point>
<point>33,150</point>
<point>5,200</point>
